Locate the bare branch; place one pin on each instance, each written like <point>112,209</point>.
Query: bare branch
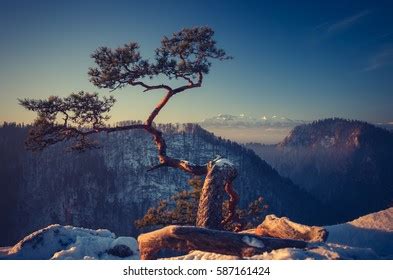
<point>233,200</point>
<point>189,80</point>
<point>147,87</point>
<point>190,86</point>
<point>156,167</point>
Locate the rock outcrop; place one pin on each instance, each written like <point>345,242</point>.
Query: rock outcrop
<point>276,227</point>
<point>185,239</point>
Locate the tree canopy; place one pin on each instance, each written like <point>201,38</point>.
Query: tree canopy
<point>186,55</point>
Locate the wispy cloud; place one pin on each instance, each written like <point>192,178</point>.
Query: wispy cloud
<point>331,27</point>
<point>382,58</point>
<point>386,35</point>
<point>346,22</point>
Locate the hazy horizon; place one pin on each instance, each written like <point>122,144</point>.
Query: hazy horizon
<point>254,133</point>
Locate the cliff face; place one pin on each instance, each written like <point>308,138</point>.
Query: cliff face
<point>345,164</point>
<point>110,188</point>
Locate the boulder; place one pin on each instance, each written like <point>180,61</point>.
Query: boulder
<point>121,251</point>
<point>277,227</point>
<point>185,239</point>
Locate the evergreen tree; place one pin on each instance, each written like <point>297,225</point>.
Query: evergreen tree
<point>182,209</point>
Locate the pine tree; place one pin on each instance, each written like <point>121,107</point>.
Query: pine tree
<point>182,209</point>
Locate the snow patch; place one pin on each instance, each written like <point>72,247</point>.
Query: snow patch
<point>253,242</point>
<point>222,162</point>
<point>67,242</point>
<point>323,252</point>
<point>201,255</point>
<point>373,231</point>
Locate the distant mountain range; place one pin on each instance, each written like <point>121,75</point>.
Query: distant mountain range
<point>388,125</point>
<point>226,120</point>
<point>264,129</point>
<point>243,129</point>
<point>345,164</point>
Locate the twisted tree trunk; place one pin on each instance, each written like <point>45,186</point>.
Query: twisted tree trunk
<point>220,174</point>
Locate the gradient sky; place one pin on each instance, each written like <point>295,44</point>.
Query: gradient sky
<point>307,60</point>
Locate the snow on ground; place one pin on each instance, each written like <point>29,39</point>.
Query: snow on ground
<point>313,252</point>
<point>222,162</point>
<point>369,237</point>
<point>322,251</point>
<point>67,242</point>
<point>201,255</point>
<point>373,231</point>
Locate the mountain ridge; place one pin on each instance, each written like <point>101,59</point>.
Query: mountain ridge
<point>344,163</point>
<point>109,187</point>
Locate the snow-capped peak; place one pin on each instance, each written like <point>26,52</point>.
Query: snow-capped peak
<point>243,120</point>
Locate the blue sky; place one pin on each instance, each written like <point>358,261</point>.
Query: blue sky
<point>299,59</point>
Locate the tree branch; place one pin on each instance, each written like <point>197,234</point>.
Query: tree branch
<point>191,85</point>
<point>156,167</point>
<point>189,80</point>
<point>233,200</point>
<point>159,142</point>
<point>148,87</point>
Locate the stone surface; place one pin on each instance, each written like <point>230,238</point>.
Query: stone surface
<point>121,251</point>
<point>276,227</point>
<point>187,238</point>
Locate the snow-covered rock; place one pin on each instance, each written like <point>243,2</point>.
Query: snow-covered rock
<point>283,227</point>
<point>368,237</point>
<point>67,242</point>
